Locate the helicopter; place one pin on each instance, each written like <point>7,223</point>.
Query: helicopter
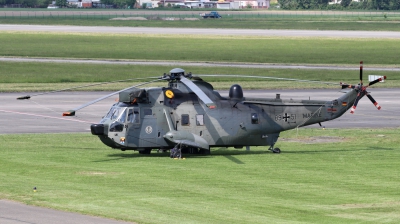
<point>189,116</point>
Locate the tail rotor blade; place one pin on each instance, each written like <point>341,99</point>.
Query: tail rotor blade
<point>353,108</point>
<point>362,90</point>
<point>377,80</point>
<point>374,102</point>
<point>361,71</point>
<point>359,96</point>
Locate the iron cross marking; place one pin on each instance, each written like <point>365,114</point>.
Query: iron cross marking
<point>286,117</point>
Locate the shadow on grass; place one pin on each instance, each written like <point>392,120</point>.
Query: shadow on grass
<point>226,153</point>
<point>229,154</point>
<point>338,150</point>
<point>233,159</point>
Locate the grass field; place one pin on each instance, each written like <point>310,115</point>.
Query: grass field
<point>36,77</point>
<point>322,176</point>
<point>202,48</point>
<point>23,76</point>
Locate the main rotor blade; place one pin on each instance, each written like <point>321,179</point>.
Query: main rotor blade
<point>373,101</point>
<point>78,87</point>
<point>72,112</point>
<point>268,77</point>
<point>377,80</point>
<point>206,100</point>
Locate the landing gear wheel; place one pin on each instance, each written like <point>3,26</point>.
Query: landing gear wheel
<point>176,152</point>
<point>276,150</point>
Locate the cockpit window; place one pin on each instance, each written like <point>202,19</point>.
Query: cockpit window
<point>133,116</point>
<point>109,113</point>
<point>122,116</point>
<point>113,113</point>
<point>130,116</point>
<point>117,113</point>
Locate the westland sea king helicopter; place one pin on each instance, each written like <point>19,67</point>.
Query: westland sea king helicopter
<point>190,116</point>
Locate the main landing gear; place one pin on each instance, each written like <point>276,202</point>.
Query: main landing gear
<point>176,152</point>
<point>274,150</point>
<point>180,149</point>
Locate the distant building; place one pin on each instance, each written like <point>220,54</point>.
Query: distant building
<point>80,3</point>
<point>220,4</point>
<point>195,4</point>
<point>255,4</point>
<point>147,4</point>
<point>228,5</point>
<point>332,2</point>
<point>170,2</point>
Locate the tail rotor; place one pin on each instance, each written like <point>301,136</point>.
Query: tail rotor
<point>362,90</point>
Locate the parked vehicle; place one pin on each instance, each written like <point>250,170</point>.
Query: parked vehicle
<point>212,14</point>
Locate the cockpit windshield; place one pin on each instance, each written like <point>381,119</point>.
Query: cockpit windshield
<point>117,113</point>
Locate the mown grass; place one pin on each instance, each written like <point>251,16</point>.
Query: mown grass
<point>201,48</point>
<point>352,179</point>
<point>32,77</point>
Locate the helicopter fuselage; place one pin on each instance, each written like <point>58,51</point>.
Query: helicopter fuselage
<point>160,118</point>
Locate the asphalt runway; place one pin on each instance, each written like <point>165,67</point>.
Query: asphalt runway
<point>17,213</point>
<point>43,114</point>
<point>201,31</point>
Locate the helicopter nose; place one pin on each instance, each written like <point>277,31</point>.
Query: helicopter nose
<point>97,129</point>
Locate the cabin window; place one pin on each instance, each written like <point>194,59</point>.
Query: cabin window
<point>254,118</point>
<point>199,119</point>
<point>185,119</point>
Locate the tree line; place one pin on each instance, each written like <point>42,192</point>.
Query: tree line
<point>284,4</point>
<point>64,3</point>
<point>344,4</point>
<point>27,3</point>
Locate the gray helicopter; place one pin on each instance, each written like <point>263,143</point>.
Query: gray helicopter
<point>190,116</point>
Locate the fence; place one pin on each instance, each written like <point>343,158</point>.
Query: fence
<point>154,15</point>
